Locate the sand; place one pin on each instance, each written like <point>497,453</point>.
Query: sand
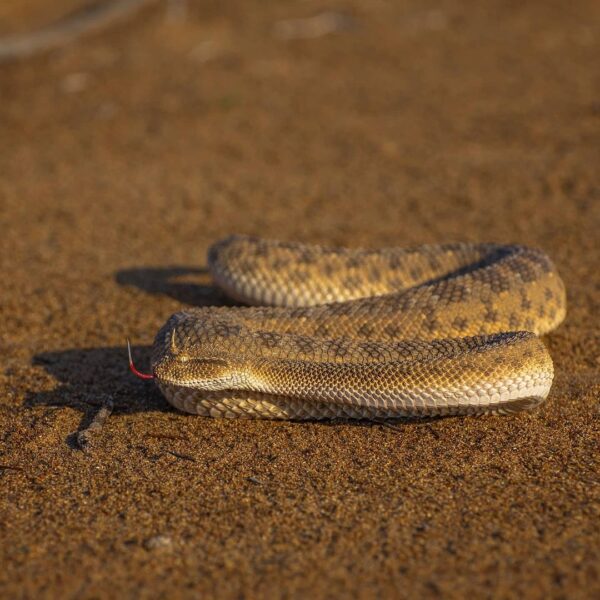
<point>125,155</point>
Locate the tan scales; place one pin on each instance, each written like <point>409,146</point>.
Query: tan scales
<point>433,330</point>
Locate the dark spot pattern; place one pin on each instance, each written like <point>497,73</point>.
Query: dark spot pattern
<point>270,339</point>
<point>416,273</point>
<point>328,270</point>
<point>458,293</point>
<point>262,250</point>
<point>527,273</point>
<point>281,263</point>
<point>395,262</point>
<point>339,348</point>
<point>432,325</point>
<point>365,330</point>
<point>226,330</point>
<point>392,331</point>
<point>500,284</point>
<point>307,258</point>
<point>372,350</point>
<point>460,323</point>
<point>304,344</point>
<point>353,282</point>
<point>491,316</point>
<point>434,263</point>
<point>322,330</point>
<point>374,275</point>
<point>541,261</point>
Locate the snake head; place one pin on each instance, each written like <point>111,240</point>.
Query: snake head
<point>190,351</point>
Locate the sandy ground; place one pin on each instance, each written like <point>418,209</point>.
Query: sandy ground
<point>123,156</point>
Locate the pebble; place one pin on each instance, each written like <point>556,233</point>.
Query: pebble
<point>159,542</point>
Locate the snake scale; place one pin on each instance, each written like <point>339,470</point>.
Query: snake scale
<point>352,333</point>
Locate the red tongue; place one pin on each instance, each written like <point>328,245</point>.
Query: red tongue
<point>132,366</point>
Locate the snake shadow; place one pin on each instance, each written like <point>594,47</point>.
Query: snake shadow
<point>188,285</point>
<point>89,377</point>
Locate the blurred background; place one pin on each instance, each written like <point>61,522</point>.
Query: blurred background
<point>133,134</point>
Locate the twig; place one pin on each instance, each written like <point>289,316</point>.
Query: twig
<point>385,424</point>
<point>433,432</point>
<point>67,29</point>
<point>182,456</point>
<point>84,436</point>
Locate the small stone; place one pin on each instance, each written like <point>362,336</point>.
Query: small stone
<point>159,542</point>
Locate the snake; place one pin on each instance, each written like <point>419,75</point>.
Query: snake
<point>342,333</point>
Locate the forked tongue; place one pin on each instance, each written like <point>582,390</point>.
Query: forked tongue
<point>132,366</point>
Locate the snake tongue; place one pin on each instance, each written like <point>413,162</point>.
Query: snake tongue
<point>132,366</point>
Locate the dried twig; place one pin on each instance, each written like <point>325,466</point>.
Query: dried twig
<point>84,436</point>
<point>68,29</point>
<point>182,456</point>
<point>386,424</point>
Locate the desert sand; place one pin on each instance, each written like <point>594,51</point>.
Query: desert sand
<point>125,154</point>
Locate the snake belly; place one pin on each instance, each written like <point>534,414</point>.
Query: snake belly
<point>353,333</point>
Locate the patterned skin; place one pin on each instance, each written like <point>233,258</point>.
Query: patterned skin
<point>433,330</point>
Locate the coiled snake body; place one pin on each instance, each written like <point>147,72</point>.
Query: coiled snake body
<point>433,330</point>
